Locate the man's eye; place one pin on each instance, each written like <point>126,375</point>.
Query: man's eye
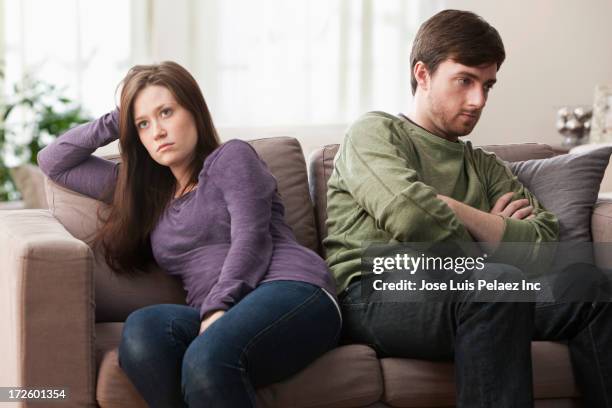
<point>142,124</point>
<point>166,112</point>
<point>463,81</point>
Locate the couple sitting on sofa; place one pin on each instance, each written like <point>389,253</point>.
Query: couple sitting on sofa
<point>262,307</point>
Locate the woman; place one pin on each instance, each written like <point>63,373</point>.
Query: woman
<point>261,307</point>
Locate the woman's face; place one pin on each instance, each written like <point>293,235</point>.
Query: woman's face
<point>160,121</point>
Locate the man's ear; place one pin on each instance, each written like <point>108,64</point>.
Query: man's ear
<point>421,74</point>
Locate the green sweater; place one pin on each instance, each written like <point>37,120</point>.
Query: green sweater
<point>384,184</point>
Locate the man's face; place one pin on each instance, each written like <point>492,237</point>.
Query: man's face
<point>456,95</point>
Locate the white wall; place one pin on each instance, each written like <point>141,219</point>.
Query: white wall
<point>556,52</point>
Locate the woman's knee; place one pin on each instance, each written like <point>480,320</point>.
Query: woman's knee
<point>205,354</point>
<point>210,364</point>
<point>144,332</point>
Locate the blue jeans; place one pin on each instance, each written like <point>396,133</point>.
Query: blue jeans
<point>489,342</point>
<point>271,334</point>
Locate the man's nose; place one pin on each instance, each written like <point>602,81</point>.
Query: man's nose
<point>477,97</point>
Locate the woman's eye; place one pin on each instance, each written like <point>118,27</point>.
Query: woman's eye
<point>166,112</point>
<point>142,124</point>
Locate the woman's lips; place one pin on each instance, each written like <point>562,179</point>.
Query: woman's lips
<point>164,146</point>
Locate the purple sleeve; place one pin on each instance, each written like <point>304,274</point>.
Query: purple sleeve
<point>68,160</point>
<point>248,189</point>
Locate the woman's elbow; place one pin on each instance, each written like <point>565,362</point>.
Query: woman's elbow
<point>41,159</point>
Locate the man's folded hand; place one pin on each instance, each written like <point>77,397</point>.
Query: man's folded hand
<point>508,208</point>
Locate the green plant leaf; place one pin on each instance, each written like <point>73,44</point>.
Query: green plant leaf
<point>53,113</point>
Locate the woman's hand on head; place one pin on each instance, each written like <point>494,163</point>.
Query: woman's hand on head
<point>210,318</point>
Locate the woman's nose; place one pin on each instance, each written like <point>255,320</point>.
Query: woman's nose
<point>158,130</point>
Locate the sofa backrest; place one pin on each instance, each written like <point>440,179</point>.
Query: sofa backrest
<point>285,159</point>
<point>117,296</point>
<point>321,165</point>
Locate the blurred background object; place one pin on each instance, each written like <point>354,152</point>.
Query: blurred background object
<point>602,115</point>
<point>31,116</point>
<point>574,123</point>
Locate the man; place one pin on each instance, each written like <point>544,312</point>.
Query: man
<point>410,179</point>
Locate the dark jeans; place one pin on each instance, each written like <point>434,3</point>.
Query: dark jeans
<point>272,333</point>
<point>489,342</point>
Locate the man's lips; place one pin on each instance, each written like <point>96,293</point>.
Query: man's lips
<point>469,116</point>
<point>164,145</point>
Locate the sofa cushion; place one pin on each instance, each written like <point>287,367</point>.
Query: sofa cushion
<point>321,165</point>
<point>606,182</point>
<point>601,229</point>
<point>418,383</point>
<point>568,186</point>
<point>347,376</point>
<point>286,162</point>
<point>29,180</point>
<point>117,296</point>
<point>113,387</point>
<point>520,151</point>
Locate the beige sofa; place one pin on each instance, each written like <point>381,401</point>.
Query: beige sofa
<point>62,311</point>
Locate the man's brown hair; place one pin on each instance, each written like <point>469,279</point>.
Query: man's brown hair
<point>462,36</point>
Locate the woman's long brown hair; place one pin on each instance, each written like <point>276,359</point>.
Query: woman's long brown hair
<point>144,188</point>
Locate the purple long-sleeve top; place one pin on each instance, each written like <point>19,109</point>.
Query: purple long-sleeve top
<point>223,238</point>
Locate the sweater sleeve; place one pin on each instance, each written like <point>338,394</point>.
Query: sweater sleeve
<point>382,180</point>
<point>543,227</point>
<point>248,189</point>
<point>499,180</point>
<point>68,160</point>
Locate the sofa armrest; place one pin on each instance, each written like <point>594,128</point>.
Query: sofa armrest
<point>601,230</point>
<point>46,307</point>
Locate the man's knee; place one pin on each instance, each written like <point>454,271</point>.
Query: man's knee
<point>499,271</point>
<point>498,294</point>
<point>497,283</point>
<point>580,282</point>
